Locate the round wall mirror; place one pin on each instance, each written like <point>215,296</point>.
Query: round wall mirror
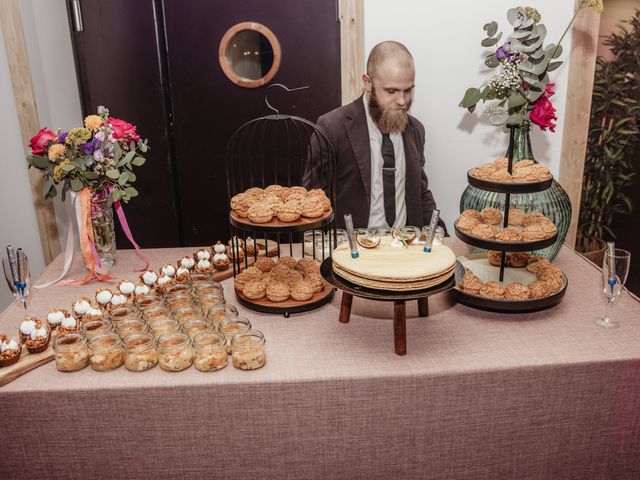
<point>249,54</point>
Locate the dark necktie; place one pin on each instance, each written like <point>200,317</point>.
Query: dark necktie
<point>389,179</point>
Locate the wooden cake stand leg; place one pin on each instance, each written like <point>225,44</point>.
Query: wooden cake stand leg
<point>400,327</point>
<point>345,307</point>
<point>423,307</point>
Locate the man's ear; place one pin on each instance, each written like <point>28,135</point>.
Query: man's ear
<point>366,81</point>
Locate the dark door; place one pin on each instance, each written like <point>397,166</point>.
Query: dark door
<point>155,63</point>
<point>118,66</point>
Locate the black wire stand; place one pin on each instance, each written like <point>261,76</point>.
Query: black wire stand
<point>288,151</point>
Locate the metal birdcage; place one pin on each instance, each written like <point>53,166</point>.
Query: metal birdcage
<point>289,151</point>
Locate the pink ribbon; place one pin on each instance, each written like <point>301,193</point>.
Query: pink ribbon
<point>127,231</point>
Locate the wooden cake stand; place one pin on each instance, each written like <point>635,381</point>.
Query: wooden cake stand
<point>349,290</point>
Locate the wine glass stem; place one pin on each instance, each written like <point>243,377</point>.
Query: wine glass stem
<point>608,318</point>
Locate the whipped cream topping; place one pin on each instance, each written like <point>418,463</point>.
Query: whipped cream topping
<point>95,312</point>
<point>104,297</point>
<point>220,257</point>
<point>149,277</point>
<point>168,270</point>
<point>39,332</point>
<point>54,318</point>
<point>187,262</point>
<point>164,279</point>
<point>118,299</point>
<point>81,307</point>
<point>142,290</point>
<point>204,264</point>
<point>127,287</point>
<point>219,248</point>
<point>28,326</point>
<point>182,271</point>
<point>203,255</point>
<point>69,322</point>
<point>10,345</point>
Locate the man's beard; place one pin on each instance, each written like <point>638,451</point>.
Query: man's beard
<point>388,120</point>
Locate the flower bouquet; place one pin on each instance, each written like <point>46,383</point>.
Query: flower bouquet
<point>520,91</point>
<point>95,164</point>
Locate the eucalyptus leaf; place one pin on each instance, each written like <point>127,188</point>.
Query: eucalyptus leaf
<point>533,95</point>
<point>132,145</point>
<point>521,35</point>
<point>527,23</point>
<point>138,161</point>
<point>46,187</point>
<point>90,175</point>
<point>113,174</point>
<point>132,177</point>
<point>40,162</point>
<point>492,61</point>
<point>76,184</point>
<point>515,118</point>
<point>124,177</point>
<point>132,192</point>
<point>143,147</point>
<point>117,152</point>
<point>553,65</point>
<point>514,17</point>
<point>488,94</point>
<point>127,158</point>
<point>516,100</point>
<point>67,167</point>
<point>471,97</point>
<point>489,42</point>
<point>116,195</point>
<point>491,28</point>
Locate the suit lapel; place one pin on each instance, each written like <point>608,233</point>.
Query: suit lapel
<point>358,133</point>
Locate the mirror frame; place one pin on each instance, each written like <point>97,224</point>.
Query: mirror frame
<point>228,69</point>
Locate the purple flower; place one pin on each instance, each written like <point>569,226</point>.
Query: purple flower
<point>89,147</point>
<point>98,155</point>
<point>62,137</point>
<point>505,52</point>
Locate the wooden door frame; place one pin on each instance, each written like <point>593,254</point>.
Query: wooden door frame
<point>582,63</point>
<point>23,94</point>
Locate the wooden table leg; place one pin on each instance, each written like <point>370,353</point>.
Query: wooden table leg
<point>400,327</point>
<point>345,307</point>
<point>423,307</point>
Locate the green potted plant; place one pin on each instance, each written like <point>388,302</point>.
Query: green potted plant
<point>613,135</point>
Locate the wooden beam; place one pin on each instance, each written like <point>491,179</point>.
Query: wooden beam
<point>351,48</point>
<point>15,45</point>
<point>582,64</point>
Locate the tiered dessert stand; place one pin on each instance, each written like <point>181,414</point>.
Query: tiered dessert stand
<point>525,246</point>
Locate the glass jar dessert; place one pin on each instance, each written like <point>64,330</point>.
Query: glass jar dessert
<point>151,299</point>
<point>232,326</point>
<point>176,352</point>
<point>119,314</point>
<point>106,352</point>
<point>248,350</point>
<point>92,328</point>
<point>183,300</point>
<point>71,352</point>
<point>131,325</point>
<point>197,277</point>
<point>163,326</point>
<point>210,351</point>
<point>208,287</point>
<point>208,300</point>
<point>154,313</point>
<point>176,290</point>
<point>221,312</point>
<point>140,352</point>
<point>195,326</point>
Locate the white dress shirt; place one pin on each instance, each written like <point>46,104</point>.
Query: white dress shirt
<point>376,210</point>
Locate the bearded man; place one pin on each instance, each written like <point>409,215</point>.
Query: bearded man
<point>379,147</point>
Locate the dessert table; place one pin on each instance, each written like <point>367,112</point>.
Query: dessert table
<point>479,395</point>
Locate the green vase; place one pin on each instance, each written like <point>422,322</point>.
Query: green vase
<point>553,203</point>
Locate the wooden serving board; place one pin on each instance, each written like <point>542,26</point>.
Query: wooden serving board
<point>290,302</point>
<point>275,223</point>
<point>28,361</point>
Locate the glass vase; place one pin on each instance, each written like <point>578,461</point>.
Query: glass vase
<point>104,235</point>
<point>553,203</point>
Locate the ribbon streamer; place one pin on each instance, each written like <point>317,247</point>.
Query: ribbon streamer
<point>127,231</point>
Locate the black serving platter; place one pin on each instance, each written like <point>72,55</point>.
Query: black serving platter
<point>510,187</point>
<point>504,246</point>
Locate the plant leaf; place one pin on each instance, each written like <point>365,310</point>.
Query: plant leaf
<point>516,100</point>
<point>471,97</point>
<point>132,192</point>
<point>124,177</point>
<point>76,184</point>
<point>492,61</point>
<point>489,42</point>
<point>138,161</point>
<point>113,174</point>
<point>553,65</point>
<point>491,28</point>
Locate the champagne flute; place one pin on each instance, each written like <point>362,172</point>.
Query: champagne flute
<point>18,277</point>
<point>615,268</point>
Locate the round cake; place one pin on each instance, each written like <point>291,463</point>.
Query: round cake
<point>397,268</point>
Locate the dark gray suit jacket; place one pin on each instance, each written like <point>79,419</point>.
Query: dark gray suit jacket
<point>346,129</point>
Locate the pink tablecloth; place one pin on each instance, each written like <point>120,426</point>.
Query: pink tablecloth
<point>479,395</point>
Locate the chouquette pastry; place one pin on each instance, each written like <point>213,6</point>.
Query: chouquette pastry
<point>388,268</point>
<point>265,264</point>
<point>301,290</point>
<point>259,213</point>
<point>10,351</point>
<point>277,291</point>
<point>523,171</point>
<point>254,290</point>
<point>289,212</point>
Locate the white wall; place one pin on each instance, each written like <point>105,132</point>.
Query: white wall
<point>54,80</point>
<point>445,42</point>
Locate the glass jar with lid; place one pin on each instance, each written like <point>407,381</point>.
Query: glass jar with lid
<point>220,312</point>
<point>106,352</point>
<point>92,328</point>
<point>210,351</point>
<point>176,352</point>
<point>232,326</point>
<point>71,352</point>
<point>248,350</point>
<point>140,352</point>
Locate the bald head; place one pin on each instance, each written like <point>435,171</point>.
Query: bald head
<point>389,54</point>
